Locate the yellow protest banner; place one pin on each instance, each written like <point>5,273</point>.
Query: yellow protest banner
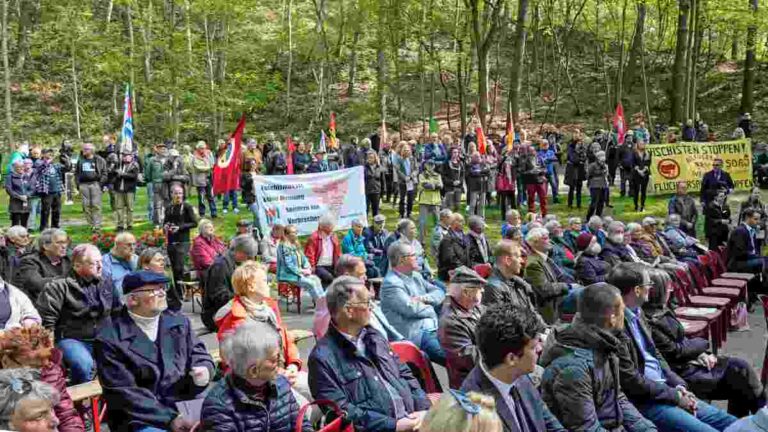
<point>671,163</point>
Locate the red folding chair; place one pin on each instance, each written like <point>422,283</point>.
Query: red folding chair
<point>411,355</point>
<point>703,287</point>
<point>714,316</point>
<point>291,293</point>
<point>764,373</point>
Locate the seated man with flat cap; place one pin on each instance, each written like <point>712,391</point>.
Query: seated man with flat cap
<point>149,359</point>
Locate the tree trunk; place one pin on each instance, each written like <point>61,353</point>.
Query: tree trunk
<point>518,59</point>
<point>188,25</point>
<point>678,70</point>
<point>7,77</point>
<point>637,43</point>
<point>689,60</point>
<point>620,74</point>
<point>146,34</point>
<point>288,80</point>
<point>211,76</point>
<point>735,46</point>
<point>460,89</point>
<point>353,66</point>
<point>698,35</point>
<point>381,64</point>
<point>748,86</point>
<point>110,7</point>
<point>74,87</point>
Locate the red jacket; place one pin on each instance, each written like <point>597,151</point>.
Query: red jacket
<point>56,377</point>
<point>204,251</point>
<point>237,316</point>
<point>313,248</point>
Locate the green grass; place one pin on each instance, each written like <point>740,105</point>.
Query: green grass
<point>73,221</point>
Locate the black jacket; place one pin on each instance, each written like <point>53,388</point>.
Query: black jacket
<point>182,216</point>
<point>36,270</point>
<point>125,177</point>
<point>632,366</point>
<point>73,307</point>
<point>228,408</point>
<point>218,288</point>
<point>717,221</point>
<point>373,179</point>
<point>453,253</point>
<point>741,248</point>
<point>581,382</point>
<point>453,176</point>
<point>475,256</point>
<point>91,170</point>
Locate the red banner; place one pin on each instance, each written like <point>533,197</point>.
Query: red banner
<point>618,123</point>
<point>291,149</point>
<point>481,144</point>
<point>226,173</point>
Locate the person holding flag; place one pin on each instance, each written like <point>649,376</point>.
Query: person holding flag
<point>226,172</point>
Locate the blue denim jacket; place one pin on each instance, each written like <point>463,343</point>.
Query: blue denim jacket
<point>409,317</point>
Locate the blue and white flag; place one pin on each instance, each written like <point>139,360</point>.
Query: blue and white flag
<point>126,134</point>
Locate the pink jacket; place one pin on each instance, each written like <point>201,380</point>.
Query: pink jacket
<point>204,251</point>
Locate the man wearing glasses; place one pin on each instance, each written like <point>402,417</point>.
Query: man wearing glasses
<point>48,263</point>
<point>354,366</point>
<point>149,359</point>
<point>715,181</point>
<point>121,260</point>
<point>657,392</point>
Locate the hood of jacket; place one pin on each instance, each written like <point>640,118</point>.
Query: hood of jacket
<point>580,335</point>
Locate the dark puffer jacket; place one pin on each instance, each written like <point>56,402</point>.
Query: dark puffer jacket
<point>36,270</point>
<point>581,382</point>
<point>456,333</point>
<point>228,408</point>
<point>452,254</point>
<point>615,253</point>
<point>590,269</point>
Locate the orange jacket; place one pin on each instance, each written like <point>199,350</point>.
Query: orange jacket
<point>237,316</point>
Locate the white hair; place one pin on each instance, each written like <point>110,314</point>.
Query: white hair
<point>615,226</point>
<point>250,343</point>
<point>397,251</point>
<point>536,234</point>
<point>595,221</point>
<point>326,219</point>
<point>552,225</point>
<point>633,226</point>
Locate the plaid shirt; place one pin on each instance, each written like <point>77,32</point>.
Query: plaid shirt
<point>48,179</point>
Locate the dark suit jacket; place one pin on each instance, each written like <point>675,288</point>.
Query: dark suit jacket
<point>710,185</point>
<point>140,391</point>
<point>538,418</point>
<point>741,249</point>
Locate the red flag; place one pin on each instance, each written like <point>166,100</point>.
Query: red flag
<point>480,140</point>
<point>618,123</point>
<point>332,131</point>
<point>510,138</point>
<point>226,173</point>
<point>291,149</point>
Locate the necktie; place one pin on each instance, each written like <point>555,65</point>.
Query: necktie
<point>517,410</point>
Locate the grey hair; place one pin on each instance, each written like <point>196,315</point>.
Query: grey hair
<point>326,219</point>
<point>673,216</point>
<point>573,220</point>
<point>251,342</point>
<point>17,385</point>
<point>366,141</point>
<point>475,221</point>
<point>397,251</point>
<point>551,226</point>
<point>81,250</point>
<point>445,213</point>
<point>535,234</point>
<point>16,231</point>
<point>511,212</point>
<point>549,218</point>
<point>615,226</point>
<point>347,263</point>
<point>649,220</point>
<point>246,244</point>
<point>47,236</point>
<point>357,223</point>
<point>607,220</point>
<point>203,223</point>
<point>595,221</point>
<point>633,226</point>
<point>403,224</point>
<point>340,291</point>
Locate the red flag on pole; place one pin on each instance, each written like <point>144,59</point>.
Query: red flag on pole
<point>618,123</point>
<point>510,131</point>
<point>291,149</point>
<point>480,140</point>
<point>226,173</point>
<point>332,131</point>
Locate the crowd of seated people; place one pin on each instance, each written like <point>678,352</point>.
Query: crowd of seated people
<point>497,316</point>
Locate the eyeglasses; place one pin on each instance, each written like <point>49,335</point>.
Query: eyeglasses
<point>153,292</point>
<point>366,304</point>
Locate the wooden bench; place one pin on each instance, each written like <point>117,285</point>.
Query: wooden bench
<point>89,391</point>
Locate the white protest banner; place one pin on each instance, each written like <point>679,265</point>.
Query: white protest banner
<point>302,199</point>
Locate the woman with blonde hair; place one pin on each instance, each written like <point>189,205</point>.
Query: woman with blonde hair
<point>252,302</point>
<point>460,412</point>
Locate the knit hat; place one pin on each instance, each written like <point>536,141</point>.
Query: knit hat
<point>583,241</point>
<point>466,276</point>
